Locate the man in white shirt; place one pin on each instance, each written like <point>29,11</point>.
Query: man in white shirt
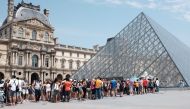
<point>13,83</point>
<point>157,85</point>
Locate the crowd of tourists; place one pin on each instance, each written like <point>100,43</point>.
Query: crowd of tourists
<point>18,91</point>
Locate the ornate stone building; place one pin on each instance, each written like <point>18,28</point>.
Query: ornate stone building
<point>28,48</point>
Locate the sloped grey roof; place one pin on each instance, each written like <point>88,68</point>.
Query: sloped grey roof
<point>178,51</point>
<point>26,13</point>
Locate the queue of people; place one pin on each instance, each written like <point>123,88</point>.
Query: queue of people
<point>18,91</point>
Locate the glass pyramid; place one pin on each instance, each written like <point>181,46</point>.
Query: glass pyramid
<point>142,47</point>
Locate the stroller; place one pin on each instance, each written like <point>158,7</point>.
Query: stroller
<point>2,94</point>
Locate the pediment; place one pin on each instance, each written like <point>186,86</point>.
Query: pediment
<point>36,22</point>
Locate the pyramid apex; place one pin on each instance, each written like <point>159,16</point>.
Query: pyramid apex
<point>142,13</point>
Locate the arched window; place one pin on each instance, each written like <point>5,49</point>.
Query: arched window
<point>78,64</point>
<point>70,64</point>
<point>46,37</point>
<point>34,35</point>
<point>34,61</point>
<point>21,32</point>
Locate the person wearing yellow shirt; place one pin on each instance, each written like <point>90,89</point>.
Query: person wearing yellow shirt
<point>98,85</point>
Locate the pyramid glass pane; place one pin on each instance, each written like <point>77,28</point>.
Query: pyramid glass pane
<point>136,49</point>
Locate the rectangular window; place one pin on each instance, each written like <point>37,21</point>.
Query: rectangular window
<point>20,60</point>
<point>77,54</point>
<point>70,54</point>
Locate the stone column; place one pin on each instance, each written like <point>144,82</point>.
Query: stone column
<point>51,75</point>
<point>43,59</point>
<point>41,56</point>
<point>53,60</point>
<point>12,58</point>
<point>16,58</point>
<point>29,59</point>
<point>25,75</point>
<point>28,79</point>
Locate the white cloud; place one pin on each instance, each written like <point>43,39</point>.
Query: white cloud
<point>187,16</point>
<point>118,2</point>
<point>135,4</point>
<point>180,7</point>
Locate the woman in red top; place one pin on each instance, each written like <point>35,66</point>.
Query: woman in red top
<point>145,85</point>
<point>67,85</point>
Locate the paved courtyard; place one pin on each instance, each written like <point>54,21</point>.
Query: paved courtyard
<point>163,100</point>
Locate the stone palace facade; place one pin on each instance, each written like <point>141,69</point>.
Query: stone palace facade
<point>28,48</point>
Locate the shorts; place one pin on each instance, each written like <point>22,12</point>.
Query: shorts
<point>75,89</point>
<point>55,92</point>
<point>13,93</point>
<point>25,91</point>
<point>19,93</point>
<point>48,90</point>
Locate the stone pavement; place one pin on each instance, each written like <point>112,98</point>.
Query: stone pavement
<point>163,100</point>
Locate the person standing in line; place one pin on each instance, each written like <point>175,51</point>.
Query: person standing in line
<point>127,86</point>
<point>48,90</point>
<point>37,86</point>
<point>56,90</point>
<point>136,87</point>
<point>7,91</point>
<point>141,86</point>
<point>145,86</point>
<point>25,90</point>
<point>93,89</point>
<point>121,87</point>
<point>98,85</point>
<point>113,84</point>
<point>67,93</point>
<point>31,91</point>
<point>157,82</point>
<point>131,87</point>
<point>88,90</point>
<point>43,91</point>
<point>13,83</point>
<point>19,93</point>
<point>105,88</point>
<point>151,86</point>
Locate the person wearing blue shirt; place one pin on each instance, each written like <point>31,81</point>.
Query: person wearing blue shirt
<point>113,84</point>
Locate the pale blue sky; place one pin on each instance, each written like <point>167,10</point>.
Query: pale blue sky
<point>88,22</point>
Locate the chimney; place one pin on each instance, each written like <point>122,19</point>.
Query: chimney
<point>46,12</point>
<point>10,10</point>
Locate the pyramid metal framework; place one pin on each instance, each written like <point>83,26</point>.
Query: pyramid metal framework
<point>142,46</point>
